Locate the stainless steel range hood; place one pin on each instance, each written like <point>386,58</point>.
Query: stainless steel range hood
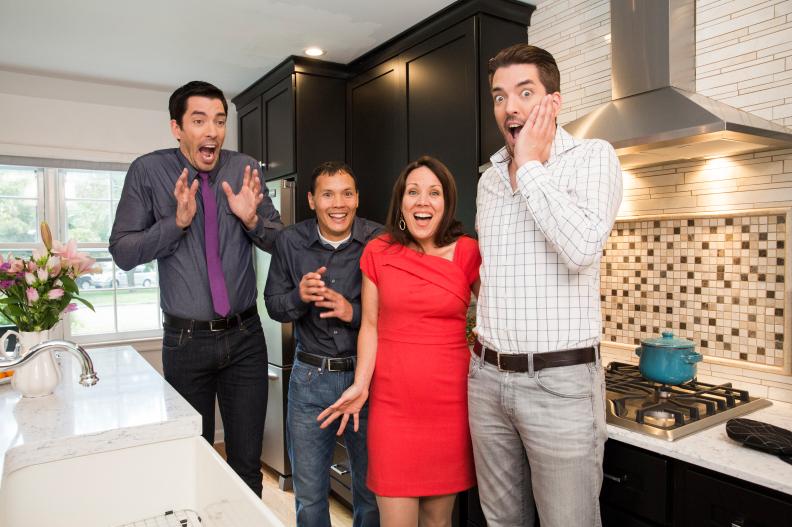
<point>655,115</point>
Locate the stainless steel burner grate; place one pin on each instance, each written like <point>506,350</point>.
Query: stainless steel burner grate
<point>671,412</point>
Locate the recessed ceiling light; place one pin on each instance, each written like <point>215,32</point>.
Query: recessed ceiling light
<point>314,51</point>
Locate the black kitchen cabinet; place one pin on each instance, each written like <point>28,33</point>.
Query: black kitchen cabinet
<point>377,146</point>
<point>440,77</point>
<point>644,489</point>
<point>251,139</point>
<point>429,87</point>
<point>278,137</point>
<point>636,485</point>
<point>707,499</point>
<point>292,119</point>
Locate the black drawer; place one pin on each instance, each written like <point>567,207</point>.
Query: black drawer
<point>635,482</point>
<point>711,501</point>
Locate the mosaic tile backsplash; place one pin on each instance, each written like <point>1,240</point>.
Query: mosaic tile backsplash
<point>716,281</point>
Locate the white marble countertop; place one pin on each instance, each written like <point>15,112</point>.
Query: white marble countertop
<point>712,449</point>
<point>132,405</point>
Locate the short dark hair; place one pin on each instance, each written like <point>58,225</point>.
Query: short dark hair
<point>331,168</point>
<point>450,228</point>
<point>177,104</point>
<point>522,53</point>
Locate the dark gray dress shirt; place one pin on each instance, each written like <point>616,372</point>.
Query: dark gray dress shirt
<point>298,250</point>
<point>145,229</point>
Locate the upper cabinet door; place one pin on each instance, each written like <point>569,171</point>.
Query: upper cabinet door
<point>250,130</point>
<point>494,35</point>
<point>376,135</point>
<point>278,140</point>
<point>442,108</point>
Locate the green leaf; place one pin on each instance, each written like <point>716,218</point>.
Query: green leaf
<point>7,301</point>
<point>82,300</point>
<point>69,284</point>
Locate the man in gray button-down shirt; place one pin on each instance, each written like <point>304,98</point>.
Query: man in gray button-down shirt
<point>161,215</point>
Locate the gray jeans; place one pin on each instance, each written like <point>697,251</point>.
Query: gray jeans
<point>538,438</point>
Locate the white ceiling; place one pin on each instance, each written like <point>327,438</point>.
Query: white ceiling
<point>162,44</point>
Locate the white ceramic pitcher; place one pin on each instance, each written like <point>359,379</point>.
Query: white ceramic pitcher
<point>39,377</point>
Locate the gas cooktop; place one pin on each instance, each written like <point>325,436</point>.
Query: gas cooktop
<point>671,412</point>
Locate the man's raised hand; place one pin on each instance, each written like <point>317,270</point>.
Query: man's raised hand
<point>185,200</point>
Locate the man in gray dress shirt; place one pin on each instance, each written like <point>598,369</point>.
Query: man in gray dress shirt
<point>197,210</point>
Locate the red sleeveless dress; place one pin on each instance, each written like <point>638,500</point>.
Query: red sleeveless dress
<point>418,437</point>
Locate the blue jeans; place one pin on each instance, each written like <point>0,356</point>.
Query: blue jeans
<point>311,390</point>
<point>231,365</point>
<point>538,439</point>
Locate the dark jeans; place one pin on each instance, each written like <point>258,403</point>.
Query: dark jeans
<point>311,390</point>
<point>231,365</point>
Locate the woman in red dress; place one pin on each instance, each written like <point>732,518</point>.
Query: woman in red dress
<point>412,352</point>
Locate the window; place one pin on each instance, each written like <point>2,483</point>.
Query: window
<point>79,203</point>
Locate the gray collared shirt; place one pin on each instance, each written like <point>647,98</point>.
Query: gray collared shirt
<point>145,229</point>
<point>298,250</point>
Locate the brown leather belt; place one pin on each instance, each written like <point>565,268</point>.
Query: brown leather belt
<point>518,362</point>
<point>218,324</point>
<point>327,363</point>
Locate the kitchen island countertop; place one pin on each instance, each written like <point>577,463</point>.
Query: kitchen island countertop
<point>131,405</point>
<point>714,450</point>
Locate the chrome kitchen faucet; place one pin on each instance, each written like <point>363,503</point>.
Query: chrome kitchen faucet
<point>88,376</point>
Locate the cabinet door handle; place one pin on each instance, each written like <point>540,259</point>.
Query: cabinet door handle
<point>339,469</point>
<point>738,523</point>
<point>615,479</point>
<point>263,165</point>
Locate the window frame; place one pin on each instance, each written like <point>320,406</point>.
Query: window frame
<point>51,207</point>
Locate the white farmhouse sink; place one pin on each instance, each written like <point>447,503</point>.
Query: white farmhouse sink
<point>124,486</point>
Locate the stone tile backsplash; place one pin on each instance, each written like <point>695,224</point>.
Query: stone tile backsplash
<point>718,281</point>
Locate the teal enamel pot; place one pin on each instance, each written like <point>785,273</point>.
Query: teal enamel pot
<point>668,360</point>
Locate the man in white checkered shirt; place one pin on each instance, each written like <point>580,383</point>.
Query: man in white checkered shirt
<point>536,388</point>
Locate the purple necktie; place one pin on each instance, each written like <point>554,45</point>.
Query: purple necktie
<point>213,265</point>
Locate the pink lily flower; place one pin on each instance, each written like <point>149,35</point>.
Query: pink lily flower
<point>67,252</point>
<point>32,295</point>
<point>39,252</point>
<point>42,274</point>
<point>84,264</point>
<point>30,278</point>
<point>55,294</point>
<point>54,265</point>
<point>17,265</point>
<point>71,307</point>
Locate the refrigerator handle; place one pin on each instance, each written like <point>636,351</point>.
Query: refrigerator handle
<point>287,201</point>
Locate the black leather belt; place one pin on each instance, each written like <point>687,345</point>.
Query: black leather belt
<point>327,363</point>
<point>518,362</point>
<point>218,324</point>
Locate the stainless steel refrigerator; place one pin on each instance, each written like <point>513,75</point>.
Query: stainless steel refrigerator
<point>280,348</point>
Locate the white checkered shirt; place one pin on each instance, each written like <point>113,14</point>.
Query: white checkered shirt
<point>541,246</point>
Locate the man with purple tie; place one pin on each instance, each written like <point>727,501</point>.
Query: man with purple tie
<point>198,210</point>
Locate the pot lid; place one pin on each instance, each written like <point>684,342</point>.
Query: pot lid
<point>669,341</point>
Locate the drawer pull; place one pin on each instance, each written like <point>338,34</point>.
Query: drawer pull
<point>615,479</point>
<point>339,469</point>
<point>738,523</point>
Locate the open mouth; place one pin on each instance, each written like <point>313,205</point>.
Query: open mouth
<point>208,153</point>
<point>514,129</point>
<point>422,219</point>
<point>338,217</point>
